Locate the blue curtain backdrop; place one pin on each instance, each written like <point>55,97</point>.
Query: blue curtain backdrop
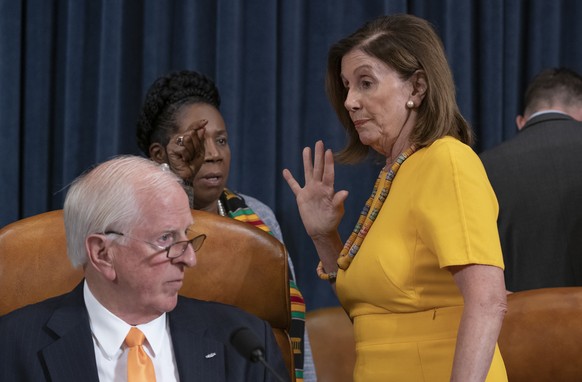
<point>73,74</point>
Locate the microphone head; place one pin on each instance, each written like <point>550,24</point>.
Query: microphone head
<point>247,344</point>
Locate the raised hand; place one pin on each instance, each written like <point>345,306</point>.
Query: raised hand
<point>186,151</point>
<point>320,207</point>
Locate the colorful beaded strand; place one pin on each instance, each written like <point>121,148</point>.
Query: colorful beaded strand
<point>365,221</point>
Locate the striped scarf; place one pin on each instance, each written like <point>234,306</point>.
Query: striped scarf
<point>236,208</point>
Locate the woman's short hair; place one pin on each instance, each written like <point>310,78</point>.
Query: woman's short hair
<point>110,197</point>
<point>163,100</point>
<point>406,44</point>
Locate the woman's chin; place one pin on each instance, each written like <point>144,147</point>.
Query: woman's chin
<point>366,140</point>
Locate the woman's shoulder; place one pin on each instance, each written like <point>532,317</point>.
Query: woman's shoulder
<point>449,146</point>
<point>446,158</point>
<point>265,213</point>
<point>255,203</point>
<point>450,150</point>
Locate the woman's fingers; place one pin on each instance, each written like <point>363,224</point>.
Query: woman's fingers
<point>307,164</point>
<point>319,169</point>
<point>293,184</point>
<point>193,146</point>
<point>186,150</point>
<point>339,198</point>
<point>319,161</point>
<point>328,168</point>
<point>194,140</point>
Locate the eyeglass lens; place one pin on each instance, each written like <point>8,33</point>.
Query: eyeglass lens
<point>177,249</point>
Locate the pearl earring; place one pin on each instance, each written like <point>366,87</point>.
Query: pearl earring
<point>410,104</point>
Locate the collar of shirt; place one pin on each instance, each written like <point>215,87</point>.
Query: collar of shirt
<point>545,112</point>
<point>109,331</point>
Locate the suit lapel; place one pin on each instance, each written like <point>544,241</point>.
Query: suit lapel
<point>71,357</point>
<point>198,357</point>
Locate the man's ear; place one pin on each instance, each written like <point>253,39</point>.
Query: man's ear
<point>99,253</point>
<point>158,153</point>
<point>419,86</point>
<point>520,122</point>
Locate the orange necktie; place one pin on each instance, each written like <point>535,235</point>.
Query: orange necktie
<point>139,366</point>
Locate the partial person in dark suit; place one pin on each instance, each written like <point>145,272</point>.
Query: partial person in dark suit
<point>537,177</point>
<point>128,224</point>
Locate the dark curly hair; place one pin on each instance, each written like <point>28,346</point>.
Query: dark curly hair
<point>165,97</point>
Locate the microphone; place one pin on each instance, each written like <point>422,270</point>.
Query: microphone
<point>249,346</point>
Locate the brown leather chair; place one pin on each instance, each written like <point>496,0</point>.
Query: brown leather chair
<point>238,265</point>
<point>331,336</point>
<point>541,336</point>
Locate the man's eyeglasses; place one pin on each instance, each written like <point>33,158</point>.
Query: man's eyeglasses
<point>174,250</point>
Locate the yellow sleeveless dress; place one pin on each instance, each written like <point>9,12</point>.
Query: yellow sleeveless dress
<point>406,308</point>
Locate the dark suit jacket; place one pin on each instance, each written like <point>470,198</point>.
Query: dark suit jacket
<point>537,177</point>
<point>51,341</point>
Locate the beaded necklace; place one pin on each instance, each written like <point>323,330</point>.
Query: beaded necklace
<point>221,210</point>
<point>365,221</point>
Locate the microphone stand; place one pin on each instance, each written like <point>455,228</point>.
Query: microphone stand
<point>261,359</point>
<point>257,355</point>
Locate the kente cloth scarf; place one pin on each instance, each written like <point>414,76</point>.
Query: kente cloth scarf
<point>236,208</point>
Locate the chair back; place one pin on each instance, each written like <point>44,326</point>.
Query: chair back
<point>33,261</point>
<point>331,336</point>
<point>243,266</point>
<point>237,265</point>
<point>541,336</point>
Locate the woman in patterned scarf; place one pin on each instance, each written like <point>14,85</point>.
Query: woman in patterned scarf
<point>179,115</point>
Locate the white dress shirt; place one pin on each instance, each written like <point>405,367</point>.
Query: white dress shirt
<point>109,333</point>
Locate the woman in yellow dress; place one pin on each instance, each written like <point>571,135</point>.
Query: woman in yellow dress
<point>421,275</point>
